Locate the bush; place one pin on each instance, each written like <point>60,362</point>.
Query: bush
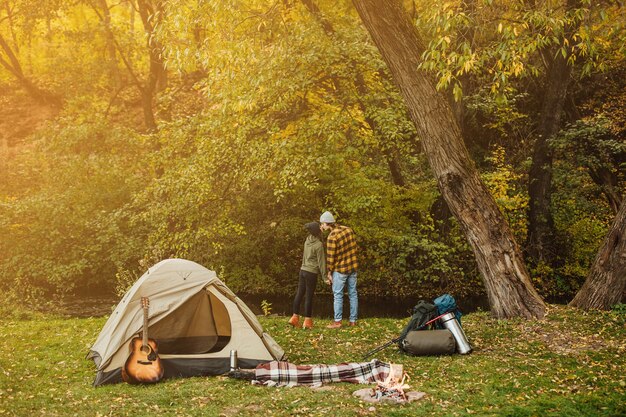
<point>66,232</point>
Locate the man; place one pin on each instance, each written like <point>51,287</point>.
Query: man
<point>341,264</point>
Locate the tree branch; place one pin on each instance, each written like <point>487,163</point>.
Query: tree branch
<point>127,63</point>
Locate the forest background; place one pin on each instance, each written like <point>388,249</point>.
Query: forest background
<point>137,130</point>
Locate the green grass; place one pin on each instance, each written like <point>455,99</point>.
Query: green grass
<point>569,364</point>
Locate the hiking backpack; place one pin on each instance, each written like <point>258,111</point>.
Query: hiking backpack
<point>447,304</point>
<point>422,313</point>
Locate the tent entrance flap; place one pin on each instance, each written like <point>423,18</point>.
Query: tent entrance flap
<point>201,325</point>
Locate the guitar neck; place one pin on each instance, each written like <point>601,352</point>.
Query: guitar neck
<point>144,340</point>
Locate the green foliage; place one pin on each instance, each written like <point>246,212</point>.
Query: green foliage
<point>505,187</point>
<point>215,206</point>
<point>66,231</point>
<point>596,144</point>
<point>619,309</point>
<point>403,249</point>
<point>582,218</point>
<point>587,151</point>
<point>269,115</point>
<point>491,58</point>
<point>501,42</point>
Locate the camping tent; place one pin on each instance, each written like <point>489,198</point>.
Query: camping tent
<point>194,318</point>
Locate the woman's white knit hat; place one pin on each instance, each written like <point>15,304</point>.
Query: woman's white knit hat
<point>327,217</point>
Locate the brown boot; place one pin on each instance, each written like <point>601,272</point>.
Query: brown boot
<point>294,320</point>
<point>308,323</point>
<point>334,325</point>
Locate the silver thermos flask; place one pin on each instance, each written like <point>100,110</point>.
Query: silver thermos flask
<point>233,360</point>
<point>450,322</point>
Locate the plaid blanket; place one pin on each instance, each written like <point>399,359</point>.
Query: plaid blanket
<point>281,373</point>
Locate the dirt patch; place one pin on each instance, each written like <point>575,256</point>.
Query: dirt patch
<point>21,116</point>
<point>235,411</point>
<point>568,343</point>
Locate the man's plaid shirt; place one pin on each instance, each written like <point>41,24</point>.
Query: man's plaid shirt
<point>341,251</point>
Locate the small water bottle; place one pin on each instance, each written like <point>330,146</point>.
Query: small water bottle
<point>233,360</point>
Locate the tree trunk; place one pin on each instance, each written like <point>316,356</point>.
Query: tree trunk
<point>465,80</point>
<point>14,67</point>
<point>157,75</point>
<point>131,17</point>
<point>9,10</point>
<point>111,50</point>
<point>608,182</point>
<point>508,286</point>
<point>541,239</point>
<point>606,281</point>
<point>315,11</point>
<point>540,243</point>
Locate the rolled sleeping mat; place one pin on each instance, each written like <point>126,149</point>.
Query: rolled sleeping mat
<point>429,342</point>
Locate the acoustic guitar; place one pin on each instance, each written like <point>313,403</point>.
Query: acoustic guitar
<point>143,365</point>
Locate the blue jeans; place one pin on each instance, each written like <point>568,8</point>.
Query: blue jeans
<point>339,282</point>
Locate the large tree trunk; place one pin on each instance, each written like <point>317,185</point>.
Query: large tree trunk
<point>606,281</point>
<point>508,286</point>
<point>541,244</point>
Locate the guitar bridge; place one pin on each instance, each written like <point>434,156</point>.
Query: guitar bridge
<point>144,362</point>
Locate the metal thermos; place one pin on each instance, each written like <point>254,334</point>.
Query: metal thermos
<point>233,360</point>
<point>450,322</point>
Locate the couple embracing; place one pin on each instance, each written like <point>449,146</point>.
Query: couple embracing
<point>339,263</point>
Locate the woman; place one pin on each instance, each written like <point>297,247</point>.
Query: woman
<point>313,264</point>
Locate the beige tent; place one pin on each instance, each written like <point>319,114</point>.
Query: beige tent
<point>195,319</point>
